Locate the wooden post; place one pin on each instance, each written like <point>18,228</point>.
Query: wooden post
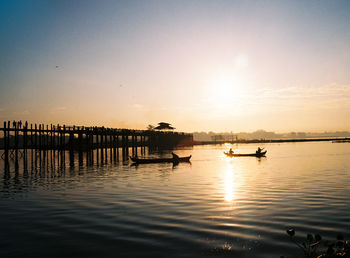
<point>106,146</point>
<point>114,147</point>
<point>101,147</point>
<point>36,145</point>
<point>51,145</point>
<point>63,141</point>
<point>142,144</point>
<point>25,128</point>
<point>110,146</point>
<point>15,124</point>
<point>58,138</point>
<point>35,137</point>
<point>9,136</point>
<point>87,145</point>
<point>97,148</point>
<point>47,143</point>
<point>127,146</point>
<point>40,143</point>
<point>123,146</point>
<point>71,151</point>
<point>136,144</point>
<point>117,143</point>
<point>6,148</point>
<point>133,143</point>
<point>60,144</point>
<point>92,147</point>
<point>91,143</point>
<point>31,145</point>
<point>80,142</point>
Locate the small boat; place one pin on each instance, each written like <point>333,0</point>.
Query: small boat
<point>175,159</point>
<point>256,154</point>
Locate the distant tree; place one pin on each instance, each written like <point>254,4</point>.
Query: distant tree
<point>150,127</point>
<point>293,134</point>
<point>217,137</point>
<point>301,135</point>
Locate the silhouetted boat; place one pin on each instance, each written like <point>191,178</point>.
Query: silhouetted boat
<point>175,159</point>
<point>256,154</point>
<point>340,141</point>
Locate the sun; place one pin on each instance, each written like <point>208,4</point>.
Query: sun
<point>241,61</point>
<point>227,91</point>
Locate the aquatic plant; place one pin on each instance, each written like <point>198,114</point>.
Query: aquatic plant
<point>315,247</point>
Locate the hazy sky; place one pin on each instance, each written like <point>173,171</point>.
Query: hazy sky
<point>200,65</point>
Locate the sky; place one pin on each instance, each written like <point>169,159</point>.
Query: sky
<point>200,65</point>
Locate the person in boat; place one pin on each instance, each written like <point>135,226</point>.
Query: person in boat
<point>230,151</point>
<point>259,150</point>
<point>175,157</point>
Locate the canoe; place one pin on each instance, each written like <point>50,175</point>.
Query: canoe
<point>261,154</point>
<point>174,159</point>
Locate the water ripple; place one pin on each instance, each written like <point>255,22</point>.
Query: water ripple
<point>213,207</point>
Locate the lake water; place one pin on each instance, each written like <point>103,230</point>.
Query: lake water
<point>213,207</point>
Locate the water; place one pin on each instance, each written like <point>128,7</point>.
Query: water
<point>213,207</point>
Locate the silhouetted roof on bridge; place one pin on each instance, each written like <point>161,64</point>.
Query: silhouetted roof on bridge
<point>164,126</point>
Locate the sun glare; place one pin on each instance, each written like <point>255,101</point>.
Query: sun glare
<point>226,92</point>
<point>241,61</point>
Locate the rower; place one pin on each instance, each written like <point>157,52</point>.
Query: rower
<point>259,150</point>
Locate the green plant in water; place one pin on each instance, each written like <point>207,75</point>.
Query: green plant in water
<point>311,247</point>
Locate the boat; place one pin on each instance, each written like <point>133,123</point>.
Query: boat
<point>338,141</point>
<point>256,154</point>
<point>175,159</point>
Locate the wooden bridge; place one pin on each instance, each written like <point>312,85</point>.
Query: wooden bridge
<point>16,139</point>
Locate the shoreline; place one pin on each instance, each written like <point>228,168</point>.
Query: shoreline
<point>343,139</point>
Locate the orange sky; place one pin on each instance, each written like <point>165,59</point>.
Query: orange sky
<point>200,65</point>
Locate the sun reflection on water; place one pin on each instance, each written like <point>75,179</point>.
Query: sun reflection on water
<point>230,183</point>
<point>229,187</point>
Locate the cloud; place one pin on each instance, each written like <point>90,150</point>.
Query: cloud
<point>22,113</point>
<point>328,91</point>
<point>57,109</point>
<point>137,106</point>
<point>327,96</point>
